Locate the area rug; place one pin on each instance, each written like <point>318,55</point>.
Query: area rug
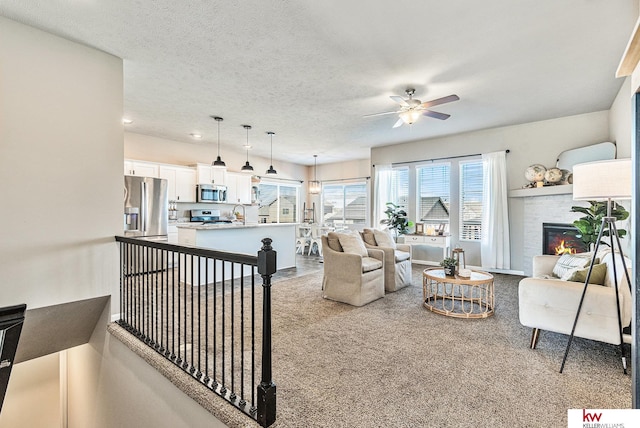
<point>393,363</point>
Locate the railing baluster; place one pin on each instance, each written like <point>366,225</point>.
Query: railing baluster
<point>158,312</point>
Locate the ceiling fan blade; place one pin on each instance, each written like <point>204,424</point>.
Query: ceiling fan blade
<point>439,101</point>
<point>398,123</point>
<point>380,114</point>
<point>436,115</point>
<point>399,100</point>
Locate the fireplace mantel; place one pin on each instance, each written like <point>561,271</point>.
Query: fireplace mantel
<point>541,191</point>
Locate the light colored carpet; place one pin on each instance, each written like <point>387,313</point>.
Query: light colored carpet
<point>393,363</point>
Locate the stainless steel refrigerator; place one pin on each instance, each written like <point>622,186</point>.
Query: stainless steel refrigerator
<point>146,203</point>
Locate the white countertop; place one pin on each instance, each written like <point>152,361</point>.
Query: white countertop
<point>215,226</point>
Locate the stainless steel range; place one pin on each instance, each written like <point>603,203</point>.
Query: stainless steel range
<point>207,217</point>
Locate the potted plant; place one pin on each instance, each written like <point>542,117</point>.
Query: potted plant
<point>396,219</point>
<point>589,225</point>
<point>449,264</point>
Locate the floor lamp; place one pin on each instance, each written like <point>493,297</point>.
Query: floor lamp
<point>603,181</point>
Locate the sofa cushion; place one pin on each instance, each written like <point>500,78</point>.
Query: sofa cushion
<point>580,275</point>
<point>401,256</point>
<point>368,237</point>
<point>352,243</point>
<point>568,262</point>
<point>334,242</point>
<point>369,264</point>
<point>383,238</point>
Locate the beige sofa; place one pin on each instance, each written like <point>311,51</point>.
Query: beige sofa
<point>397,260</point>
<point>551,303</point>
<point>351,278</point>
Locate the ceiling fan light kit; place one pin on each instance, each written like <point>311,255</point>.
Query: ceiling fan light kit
<point>411,109</point>
<point>247,166</point>
<point>218,163</point>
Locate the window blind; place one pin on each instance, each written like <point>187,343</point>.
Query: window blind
<point>471,188</point>
<point>433,193</point>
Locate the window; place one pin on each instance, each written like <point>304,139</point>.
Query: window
<point>344,204</point>
<point>400,186</point>
<point>433,194</point>
<point>278,203</point>
<point>471,187</point>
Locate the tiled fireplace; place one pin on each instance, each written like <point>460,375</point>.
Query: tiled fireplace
<point>537,211</point>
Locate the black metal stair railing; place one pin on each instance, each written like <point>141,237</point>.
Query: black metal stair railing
<point>197,308</point>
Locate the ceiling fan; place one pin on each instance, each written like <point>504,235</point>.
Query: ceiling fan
<point>411,109</point>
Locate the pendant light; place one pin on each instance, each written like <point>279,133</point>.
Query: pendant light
<point>271,170</point>
<point>218,163</point>
<point>314,185</point>
<point>247,167</point>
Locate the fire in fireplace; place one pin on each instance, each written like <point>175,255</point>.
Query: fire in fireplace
<point>560,238</point>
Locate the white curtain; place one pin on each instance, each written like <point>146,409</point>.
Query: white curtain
<point>383,192</point>
<point>495,251</point>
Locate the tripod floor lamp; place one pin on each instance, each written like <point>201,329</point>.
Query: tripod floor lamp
<point>603,181</point>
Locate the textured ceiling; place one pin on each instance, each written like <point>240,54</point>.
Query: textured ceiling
<point>310,70</point>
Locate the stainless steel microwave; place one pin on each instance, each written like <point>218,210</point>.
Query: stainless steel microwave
<point>211,193</point>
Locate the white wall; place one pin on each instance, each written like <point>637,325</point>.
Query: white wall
<point>61,159</point>
<point>537,142</point>
<point>61,134</point>
<point>620,123</point>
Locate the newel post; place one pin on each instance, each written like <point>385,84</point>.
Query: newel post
<point>266,389</point>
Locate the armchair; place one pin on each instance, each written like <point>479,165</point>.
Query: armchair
<point>397,258</point>
<point>351,278</point>
<point>547,303</point>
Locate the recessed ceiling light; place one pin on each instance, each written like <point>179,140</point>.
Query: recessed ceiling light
<point>127,121</point>
<point>196,136</point>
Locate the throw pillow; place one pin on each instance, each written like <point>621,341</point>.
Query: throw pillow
<point>384,239</point>
<point>580,275</point>
<point>568,262</point>
<point>352,243</point>
<point>367,236</point>
<point>334,242</point>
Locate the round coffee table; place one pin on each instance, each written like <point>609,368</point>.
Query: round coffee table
<point>456,296</point>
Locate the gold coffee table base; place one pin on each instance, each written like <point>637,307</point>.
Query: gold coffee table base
<point>456,296</point>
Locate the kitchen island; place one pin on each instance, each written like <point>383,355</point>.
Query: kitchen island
<point>240,238</point>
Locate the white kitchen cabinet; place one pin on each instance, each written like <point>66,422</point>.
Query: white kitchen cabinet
<point>141,169</point>
<point>203,172</point>
<point>209,175</point>
<point>185,185</point>
<point>238,188</point>
<point>181,182</point>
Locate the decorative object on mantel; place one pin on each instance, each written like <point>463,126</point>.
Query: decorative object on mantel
<point>449,264</point>
<point>535,174</point>
<point>553,175</point>
<point>539,176</point>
